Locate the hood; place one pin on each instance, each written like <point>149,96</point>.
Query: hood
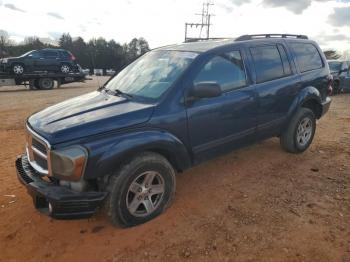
<point>8,59</point>
<point>86,115</point>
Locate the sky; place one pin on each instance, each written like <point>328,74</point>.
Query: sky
<point>161,22</point>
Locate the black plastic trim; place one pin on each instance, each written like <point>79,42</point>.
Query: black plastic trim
<point>65,203</point>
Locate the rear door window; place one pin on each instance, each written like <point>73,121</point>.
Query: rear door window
<point>50,54</point>
<point>268,63</point>
<point>307,55</point>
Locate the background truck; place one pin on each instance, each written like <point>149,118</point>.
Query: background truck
<point>41,80</point>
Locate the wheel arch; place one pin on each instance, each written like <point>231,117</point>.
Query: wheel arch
<point>127,147</point>
<point>314,105</point>
<point>309,97</point>
<point>10,68</point>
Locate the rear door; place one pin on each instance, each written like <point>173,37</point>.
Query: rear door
<point>215,124</point>
<point>50,61</point>
<point>311,65</point>
<point>276,84</point>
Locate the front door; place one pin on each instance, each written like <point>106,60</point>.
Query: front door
<point>215,124</point>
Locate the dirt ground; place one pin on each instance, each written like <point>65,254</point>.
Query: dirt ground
<point>255,204</point>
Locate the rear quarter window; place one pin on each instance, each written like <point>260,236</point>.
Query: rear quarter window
<point>64,54</point>
<point>308,57</point>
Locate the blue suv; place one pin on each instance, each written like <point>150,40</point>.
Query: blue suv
<point>121,146</point>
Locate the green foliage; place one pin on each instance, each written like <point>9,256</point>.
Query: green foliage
<point>332,54</point>
<point>97,53</point>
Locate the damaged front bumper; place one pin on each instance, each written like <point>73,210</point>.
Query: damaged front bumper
<point>56,200</point>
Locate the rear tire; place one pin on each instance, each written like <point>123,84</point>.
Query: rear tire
<point>65,69</point>
<point>45,83</point>
<point>300,131</point>
<point>141,190</point>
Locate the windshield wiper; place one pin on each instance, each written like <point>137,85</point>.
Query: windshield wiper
<point>121,93</point>
<point>117,92</point>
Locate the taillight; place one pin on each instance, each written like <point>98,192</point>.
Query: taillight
<point>330,85</point>
<point>72,57</point>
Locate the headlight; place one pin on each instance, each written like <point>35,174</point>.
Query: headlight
<point>4,61</point>
<point>69,163</point>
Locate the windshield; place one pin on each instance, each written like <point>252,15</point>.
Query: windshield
<point>334,66</point>
<point>152,74</point>
<point>28,53</point>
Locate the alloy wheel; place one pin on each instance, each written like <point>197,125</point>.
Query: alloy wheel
<point>65,69</point>
<point>304,131</point>
<point>18,69</point>
<point>145,194</point>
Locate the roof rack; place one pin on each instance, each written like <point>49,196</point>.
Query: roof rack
<point>189,40</point>
<point>251,37</point>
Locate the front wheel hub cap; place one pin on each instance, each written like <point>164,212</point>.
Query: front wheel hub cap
<point>304,131</point>
<point>145,194</point>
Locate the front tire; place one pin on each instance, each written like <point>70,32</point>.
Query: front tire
<point>17,69</point>
<point>141,190</point>
<point>300,131</point>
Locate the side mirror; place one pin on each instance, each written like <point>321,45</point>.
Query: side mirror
<point>206,90</point>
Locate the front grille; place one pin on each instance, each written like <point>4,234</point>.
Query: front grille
<point>37,151</point>
<point>39,145</point>
<point>40,161</point>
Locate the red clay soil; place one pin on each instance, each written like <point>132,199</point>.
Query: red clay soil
<point>255,204</point>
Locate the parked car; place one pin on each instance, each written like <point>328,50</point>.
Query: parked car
<point>175,107</point>
<point>98,72</point>
<point>110,72</point>
<point>48,59</point>
<point>86,71</point>
<point>340,71</point>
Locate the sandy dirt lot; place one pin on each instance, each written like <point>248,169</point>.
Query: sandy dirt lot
<point>255,204</point>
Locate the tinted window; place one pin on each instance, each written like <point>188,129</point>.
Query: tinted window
<point>268,63</point>
<point>227,70</point>
<point>49,54</point>
<point>285,61</point>
<point>307,56</point>
<point>34,54</point>
<point>64,54</point>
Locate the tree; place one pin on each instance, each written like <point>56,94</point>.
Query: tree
<point>136,48</point>
<point>97,53</point>
<point>4,38</point>
<point>66,41</point>
<point>331,54</point>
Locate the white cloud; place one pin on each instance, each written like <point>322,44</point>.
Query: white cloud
<point>55,15</point>
<point>161,22</point>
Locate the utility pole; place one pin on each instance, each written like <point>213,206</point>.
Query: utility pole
<point>205,24</point>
